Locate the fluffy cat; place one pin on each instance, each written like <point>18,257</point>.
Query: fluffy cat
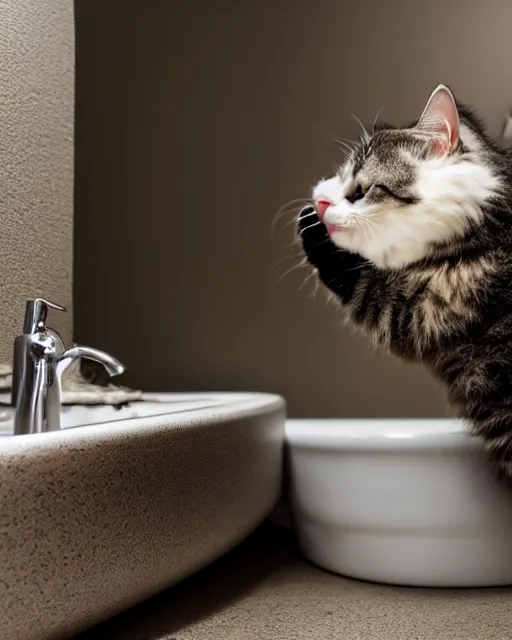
<point>413,235</point>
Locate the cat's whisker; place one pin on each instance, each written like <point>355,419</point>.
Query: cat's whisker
<point>310,227</point>
<point>285,210</point>
<point>295,243</point>
<point>353,143</point>
<point>295,219</point>
<point>307,279</point>
<point>376,119</point>
<point>282,260</point>
<point>292,214</point>
<point>359,267</point>
<point>295,200</point>
<point>365,135</point>
<point>309,215</point>
<point>346,145</point>
<point>315,290</point>
<point>301,265</point>
<point>370,226</point>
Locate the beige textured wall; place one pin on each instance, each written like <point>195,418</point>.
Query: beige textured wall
<point>196,121</point>
<point>36,159</point>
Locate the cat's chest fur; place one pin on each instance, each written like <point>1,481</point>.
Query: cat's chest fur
<point>456,286</point>
<point>438,302</point>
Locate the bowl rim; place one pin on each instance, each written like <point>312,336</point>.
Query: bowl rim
<point>378,434</point>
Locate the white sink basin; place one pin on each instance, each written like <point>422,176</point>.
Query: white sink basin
<point>411,502</point>
<point>97,518</point>
<point>153,404</point>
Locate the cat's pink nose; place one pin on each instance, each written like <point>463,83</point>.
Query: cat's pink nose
<point>321,207</point>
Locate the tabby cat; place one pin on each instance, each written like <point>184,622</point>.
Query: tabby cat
<point>413,235</point>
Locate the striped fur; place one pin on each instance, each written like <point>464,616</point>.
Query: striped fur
<point>452,308</point>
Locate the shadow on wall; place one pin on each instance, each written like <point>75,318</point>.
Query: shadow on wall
<point>196,121</point>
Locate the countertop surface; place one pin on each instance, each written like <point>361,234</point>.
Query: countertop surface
<point>264,590</point>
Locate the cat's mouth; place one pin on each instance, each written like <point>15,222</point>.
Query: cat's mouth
<point>334,228</point>
<point>321,206</point>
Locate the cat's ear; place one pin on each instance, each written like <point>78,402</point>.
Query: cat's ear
<point>440,118</point>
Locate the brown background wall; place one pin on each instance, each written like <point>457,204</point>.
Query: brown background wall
<point>195,122</point>
<point>36,160</point>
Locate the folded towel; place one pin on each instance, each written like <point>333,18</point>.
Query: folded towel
<point>5,377</point>
<point>83,382</point>
<point>87,382</point>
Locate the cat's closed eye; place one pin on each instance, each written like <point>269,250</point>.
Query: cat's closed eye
<point>386,190</point>
<point>393,194</point>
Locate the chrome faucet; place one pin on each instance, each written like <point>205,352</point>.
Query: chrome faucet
<point>39,361</point>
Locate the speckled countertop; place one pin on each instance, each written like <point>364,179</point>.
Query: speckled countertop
<point>264,590</point>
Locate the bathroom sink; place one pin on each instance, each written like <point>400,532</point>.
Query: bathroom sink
<point>152,404</point>
<point>123,502</point>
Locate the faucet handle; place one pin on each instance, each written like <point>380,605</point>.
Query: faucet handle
<point>35,314</point>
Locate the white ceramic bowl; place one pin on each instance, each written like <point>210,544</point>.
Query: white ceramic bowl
<point>411,502</point>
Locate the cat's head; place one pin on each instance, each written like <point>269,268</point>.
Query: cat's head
<point>402,192</point>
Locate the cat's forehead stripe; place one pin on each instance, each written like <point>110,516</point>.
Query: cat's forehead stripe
<point>387,157</point>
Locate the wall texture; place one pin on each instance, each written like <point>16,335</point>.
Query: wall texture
<point>196,121</point>
<point>36,159</point>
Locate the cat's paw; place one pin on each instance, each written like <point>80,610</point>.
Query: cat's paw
<point>312,232</point>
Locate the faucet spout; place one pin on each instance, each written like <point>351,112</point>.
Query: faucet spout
<point>111,364</point>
